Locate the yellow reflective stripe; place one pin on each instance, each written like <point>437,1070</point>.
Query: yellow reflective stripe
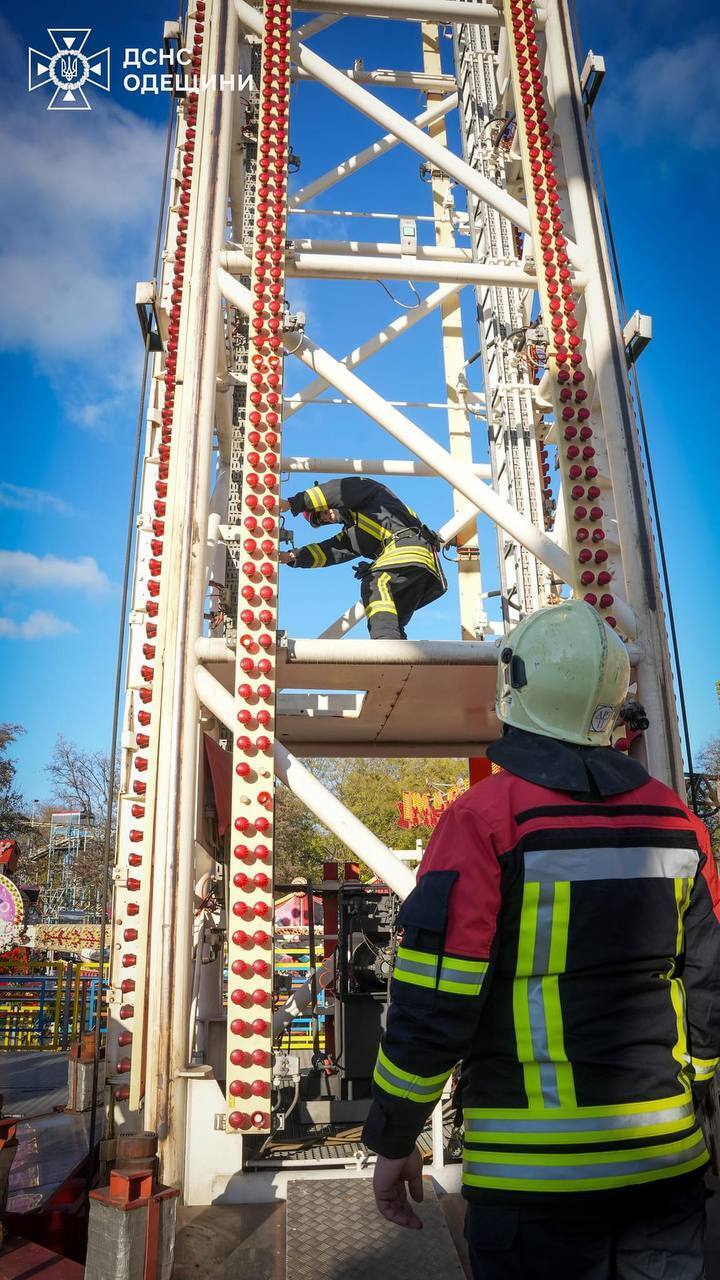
<point>568,1159</point>
<point>422,957</point>
<point>408,555</point>
<point>521,1006</point>
<point>558,1113</point>
<point>507,1137</point>
<point>458,976</point>
<point>318,555</point>
<point>462,977</point>
<point>551,993</point>
<point>683,887</point>
<point>401,974</point>
<point>418,968</point>
<point>317,498</point>
<point>704,1068</point>
<point>584,1170</point>
<point>371,526</point>
<point>585,1184</point>
<point>385,604</point>
<point>404,1084</point>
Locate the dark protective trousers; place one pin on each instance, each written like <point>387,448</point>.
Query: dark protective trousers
<point>392,597</point>
<point>657,1241</point>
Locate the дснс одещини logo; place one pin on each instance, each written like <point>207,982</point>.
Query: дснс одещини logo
<point>69,69</point>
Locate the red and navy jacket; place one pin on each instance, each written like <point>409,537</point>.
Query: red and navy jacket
<point>564,946</point>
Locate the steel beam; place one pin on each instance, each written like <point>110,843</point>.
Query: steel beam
<point>419,443</point>
<point>393,79</point>
<point>371,467</point>
<point>326,266</point>
<point>379,249</point>
<point>418,10</point>
<point>401,324</point>
<point>404,129</point>
<point>380,148</point>
<point>318,799</point>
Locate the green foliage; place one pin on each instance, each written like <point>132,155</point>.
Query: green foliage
<point>372,790</point>
<point>13,819</point>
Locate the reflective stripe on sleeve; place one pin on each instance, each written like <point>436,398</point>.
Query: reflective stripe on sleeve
<point>318,555</point>
<point>419,968</point>
<point>457,976</point>
<point>318,501</point>
<point>704,1068</point>
<point>403,1084</point>
<point>462,977</point>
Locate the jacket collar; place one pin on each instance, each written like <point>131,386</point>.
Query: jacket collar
<point>562,766</point>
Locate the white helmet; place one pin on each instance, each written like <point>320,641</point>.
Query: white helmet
<point>563,673</point>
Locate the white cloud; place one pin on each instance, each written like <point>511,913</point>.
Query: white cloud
<point>39,625</point>
<point>675,92</point>
<point>80,198</point>
<point>15,497</point>
<point>24,571</point>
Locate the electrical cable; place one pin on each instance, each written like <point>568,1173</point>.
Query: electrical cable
<point>129,541</point>
<point>595,151</point>
<point>407,306</point>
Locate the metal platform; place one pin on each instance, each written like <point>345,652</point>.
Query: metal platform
<point>52,1143</point>
<point>394,697</point>
<point>334,1231</point>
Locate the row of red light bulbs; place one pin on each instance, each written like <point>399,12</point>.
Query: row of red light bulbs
<point>133,883</point>
<point>265,401</point>
<point>563,320</point>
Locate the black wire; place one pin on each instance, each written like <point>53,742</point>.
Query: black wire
<point>592,135</point>
<point>129,540</point>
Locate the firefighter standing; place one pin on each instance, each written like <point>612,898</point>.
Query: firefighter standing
<point>563,942</point>
<point>402,572</point>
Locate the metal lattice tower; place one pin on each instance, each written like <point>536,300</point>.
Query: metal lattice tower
<point>546,449</point>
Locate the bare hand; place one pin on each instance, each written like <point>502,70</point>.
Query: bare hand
<point>284,504</point>
<point>390,1191</point>
<point>287,557</point>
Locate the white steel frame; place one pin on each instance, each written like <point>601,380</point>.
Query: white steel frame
<point>189,526</point>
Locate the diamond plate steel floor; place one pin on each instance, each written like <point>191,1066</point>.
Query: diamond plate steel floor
<point>334,1232</point>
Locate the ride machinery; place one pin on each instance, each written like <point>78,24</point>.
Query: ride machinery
<point>494,221</point>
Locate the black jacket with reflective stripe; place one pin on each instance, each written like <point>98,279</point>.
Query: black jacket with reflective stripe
<point>378,525</point>
<point>564,946</point>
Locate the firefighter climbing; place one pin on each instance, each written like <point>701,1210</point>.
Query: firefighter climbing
<point>402,571</point>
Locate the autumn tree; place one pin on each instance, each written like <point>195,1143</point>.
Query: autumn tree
<point>372,789</point>
<point>13,817</point>
<point>81,782</point>
<point>708,791</point>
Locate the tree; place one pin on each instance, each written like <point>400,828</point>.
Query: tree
<point>372,790</point>
<point>81,782</point>
<point>13,818</point>
<point>708,791</point>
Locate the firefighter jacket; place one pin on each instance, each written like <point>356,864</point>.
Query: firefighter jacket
<point>377,525</point>
<point>564,946</point>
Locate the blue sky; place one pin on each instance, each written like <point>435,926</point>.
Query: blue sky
<point>77,228</point>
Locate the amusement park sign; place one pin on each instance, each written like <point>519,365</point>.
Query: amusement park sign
<point>423,808</point>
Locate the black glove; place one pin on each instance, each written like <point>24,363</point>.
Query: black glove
<point>361,568</point>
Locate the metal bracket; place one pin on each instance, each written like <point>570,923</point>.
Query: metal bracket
<point>591,77</point>
<point>146,307</point>
<point>637,335</point>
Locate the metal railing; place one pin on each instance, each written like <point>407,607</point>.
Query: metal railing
<point>50,1005</point>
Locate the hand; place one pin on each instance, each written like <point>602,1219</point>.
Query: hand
<point>284,505</point>
<point>287,557</point>
<point>390,1192</point>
